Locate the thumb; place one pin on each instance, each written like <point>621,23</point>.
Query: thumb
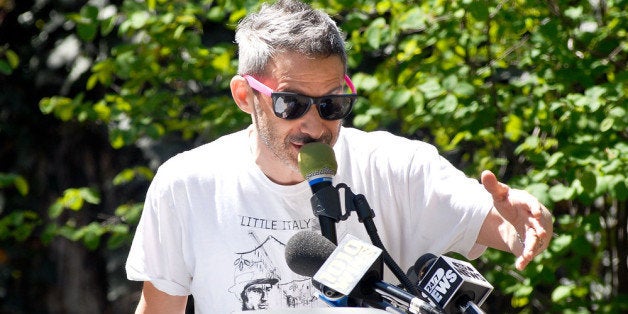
<point>498,190</point>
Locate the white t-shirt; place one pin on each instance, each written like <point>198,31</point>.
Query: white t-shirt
<point>215,226</point>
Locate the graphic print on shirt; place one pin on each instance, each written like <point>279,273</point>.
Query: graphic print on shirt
<point>258,279</point>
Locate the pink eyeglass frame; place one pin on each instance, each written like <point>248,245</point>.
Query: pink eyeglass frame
<point>260,87</point>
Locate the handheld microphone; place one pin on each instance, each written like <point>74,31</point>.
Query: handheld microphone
<point>348,275</point>
<point>455,285</point>
<point>317,164</point>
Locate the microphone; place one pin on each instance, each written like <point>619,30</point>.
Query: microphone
<point>454,285</point>
<point>317,164</point>
<point>306,252</point>
<point>348,275</point>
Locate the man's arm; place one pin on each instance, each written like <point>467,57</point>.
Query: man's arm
<point>155,301</point>
<point>517,223</point>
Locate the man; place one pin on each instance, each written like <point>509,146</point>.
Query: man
<point>225,210</point>
<point>254,294</point>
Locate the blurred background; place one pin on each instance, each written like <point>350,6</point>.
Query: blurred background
<point>95,95</point>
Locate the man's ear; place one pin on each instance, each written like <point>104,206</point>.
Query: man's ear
<point>242,94</point>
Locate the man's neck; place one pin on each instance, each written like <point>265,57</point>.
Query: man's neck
<point>276,170</point>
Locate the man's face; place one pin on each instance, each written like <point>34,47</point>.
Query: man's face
<point>280,140</point>
<point>257,298</point>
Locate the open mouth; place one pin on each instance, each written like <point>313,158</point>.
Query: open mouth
<point>300,144</point>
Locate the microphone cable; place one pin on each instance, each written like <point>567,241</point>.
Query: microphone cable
<point>365,216</point>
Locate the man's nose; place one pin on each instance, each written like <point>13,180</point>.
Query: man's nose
<point>311,123</point>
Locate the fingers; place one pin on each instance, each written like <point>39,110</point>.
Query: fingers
<point>533,212</point>
<point>533,245</point>
<point>498,190</point>
<point>525,213</point>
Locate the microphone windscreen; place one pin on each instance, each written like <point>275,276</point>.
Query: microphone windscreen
<point>423,263</point>
<point>307,251</point>
<point>317,159</point>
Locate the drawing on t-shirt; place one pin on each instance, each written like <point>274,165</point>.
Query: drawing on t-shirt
<point>258,283</point>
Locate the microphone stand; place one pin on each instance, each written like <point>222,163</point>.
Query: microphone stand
<point>359,204</point>
<point>326,206</point>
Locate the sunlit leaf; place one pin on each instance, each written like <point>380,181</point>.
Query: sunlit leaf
<point>513,128</point>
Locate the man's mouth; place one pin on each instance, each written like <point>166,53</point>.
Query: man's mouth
<point>300,144</point>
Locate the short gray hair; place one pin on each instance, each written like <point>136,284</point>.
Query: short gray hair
<point>286,26</point>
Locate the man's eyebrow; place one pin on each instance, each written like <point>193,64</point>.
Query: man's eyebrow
<point>296,91</point>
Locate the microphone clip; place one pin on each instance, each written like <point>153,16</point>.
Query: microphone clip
<point>326,202</point>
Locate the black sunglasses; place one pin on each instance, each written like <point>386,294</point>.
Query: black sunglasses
<point>292,106</point>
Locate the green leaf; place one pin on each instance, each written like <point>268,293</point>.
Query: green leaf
<point>119,236</point>
<point>374,32</point>
<point>151,4</point>
<point>446,105</point>
<point>90,195</point>
<point>413,19</point>
<point>116,240</point>
<point>399,98</point>
<point>588,181</point>
<point>431,88</point>
<point>513,128</point>
<point>464,89</point>
<point>479,10</point>
<point>574,12</point>
<point>50,232</point>
<point>139,19</point>
<point>72,199</point>
<point>554,159</point>
<point>523,291</point>
<point>5,68</point>
<point>12,58</point>
<point>55,210</point>
<point>130,213</point>
<point>107,25</point>
<point>87,30</point>
<point>607,124</point>
<point>92,234</point>
<point>561,243</point>
<point>560,192</point>
<point>540,191</point>
<point>620,190</point>
<point>561,293</point>
<point>124,177</point>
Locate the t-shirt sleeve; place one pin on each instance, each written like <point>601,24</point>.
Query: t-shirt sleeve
<point>156,253</point>
<point>455,206</point>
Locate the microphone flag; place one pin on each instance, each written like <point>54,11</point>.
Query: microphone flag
<point>448,278</point>
<point>347,265</point>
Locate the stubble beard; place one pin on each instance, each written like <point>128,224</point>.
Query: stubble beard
<point>282,148</point>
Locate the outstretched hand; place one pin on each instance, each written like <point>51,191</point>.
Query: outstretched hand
<point>531,220</point>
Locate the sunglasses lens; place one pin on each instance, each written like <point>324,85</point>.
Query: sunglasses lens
<point>290,106</point>
<point>335,107</point>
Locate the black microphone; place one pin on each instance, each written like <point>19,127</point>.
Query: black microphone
<point>454,285</point>
<point>306,251</point>
<point>348,274</point>
<point>317,164</point>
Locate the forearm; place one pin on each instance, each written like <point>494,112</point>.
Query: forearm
<point>155,301</point>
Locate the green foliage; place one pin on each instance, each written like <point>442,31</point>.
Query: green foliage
<point>159,79</point>
<point>535,91</point>
<point>17,224</point>
<point>116,228</point>
<point>9,60</point>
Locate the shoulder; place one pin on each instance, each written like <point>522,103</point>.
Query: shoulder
<point>220,156</point>
<point>382,143</point>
